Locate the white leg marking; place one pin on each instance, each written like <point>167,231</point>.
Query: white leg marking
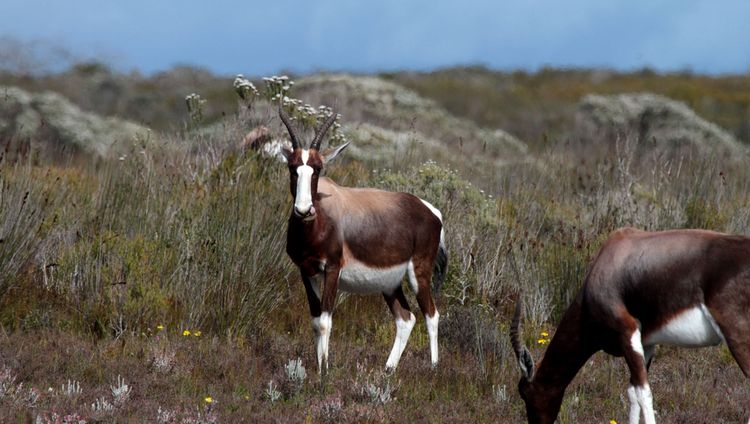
<point>634,417</point>
<point>642,393</point>
<point>646,401</point>
<point>322,328</point>
<point>641,400</point>
<point>636,343</point>
<point>413,283</point>
<point>432,331</point>
<point>403,330</point>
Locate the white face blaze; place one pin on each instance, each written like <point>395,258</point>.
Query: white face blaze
<point>303,197</point>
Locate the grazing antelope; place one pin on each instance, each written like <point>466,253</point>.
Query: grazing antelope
<point>362,241</point>
<point>689,288</point>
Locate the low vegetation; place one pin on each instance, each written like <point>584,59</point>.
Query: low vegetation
<point>153,285</point>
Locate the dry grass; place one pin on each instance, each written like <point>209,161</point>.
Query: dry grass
<point>188,234</point>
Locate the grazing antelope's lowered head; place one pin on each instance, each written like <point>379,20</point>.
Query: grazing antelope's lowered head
<point>542,404</point>
<point>688,288</point>
<point>305,166</point>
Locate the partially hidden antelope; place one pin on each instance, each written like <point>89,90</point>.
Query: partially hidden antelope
<point>689,288</point>
<point>363,241</point>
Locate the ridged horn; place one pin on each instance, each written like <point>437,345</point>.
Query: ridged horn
<point>285,119</point>
<point>321,132</point>
<point>525,361</point>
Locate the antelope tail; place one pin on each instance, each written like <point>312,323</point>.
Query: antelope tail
<point>441,266</point>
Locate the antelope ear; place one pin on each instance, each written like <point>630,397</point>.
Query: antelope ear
<point>331,154</point>
<point>286,153</point>
<point>526,362</point>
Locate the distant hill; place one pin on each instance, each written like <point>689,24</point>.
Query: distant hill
<point>52,125</point>
<point>542,105</point>
<point>653,120</point>
<point>472,115</point>
<point>381,116</point>
<point>533,106</point>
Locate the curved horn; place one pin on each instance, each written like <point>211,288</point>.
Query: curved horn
<point>285,119</point>
<point>525,361</point>
<point>322,131</point>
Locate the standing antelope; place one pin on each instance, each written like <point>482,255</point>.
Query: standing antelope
<point>688,288</point>
<point>362,241</point>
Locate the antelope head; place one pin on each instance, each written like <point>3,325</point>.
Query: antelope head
<point>542,403</point>
<point>305,166</point>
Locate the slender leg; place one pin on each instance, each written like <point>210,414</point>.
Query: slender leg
<point>649,353</point>
<point>404,323</point>
<point>322,324</point>
<point>639,390</point>
<point>322,328</point>
<point>313,299</point>
<point>420,274</point>
<point>634,416</point>
<point>730,313</point>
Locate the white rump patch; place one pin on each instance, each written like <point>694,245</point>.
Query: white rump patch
<point>433,209</point>
<point>359,278</point>
<point>437,213</point>
<point>694,327</point>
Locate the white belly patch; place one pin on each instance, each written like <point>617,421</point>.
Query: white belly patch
<point>357,277</point>
<point>694,327</point>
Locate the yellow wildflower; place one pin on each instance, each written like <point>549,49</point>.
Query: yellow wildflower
<point>208,399</point>
<point>197,333</point>
<point>545,334</point>
<point>542,341</point>
<point>612,422</point>
<point>186,333</point>
<point>159,327</point>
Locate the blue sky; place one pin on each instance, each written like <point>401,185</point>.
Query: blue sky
<point>266,37</point>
